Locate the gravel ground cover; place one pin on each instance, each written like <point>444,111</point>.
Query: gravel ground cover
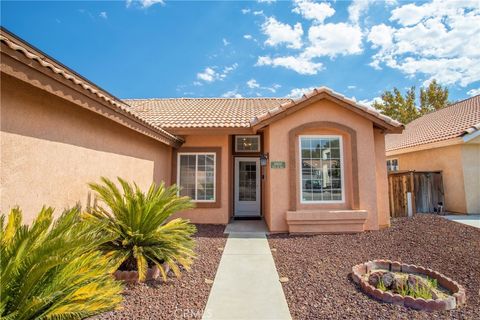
<point>183,298</point>
<point>318,267</point>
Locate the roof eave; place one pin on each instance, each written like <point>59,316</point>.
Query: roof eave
<point>261,121</point>
<point>50,67</point>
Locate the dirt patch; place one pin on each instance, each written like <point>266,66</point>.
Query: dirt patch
<point>183,298</point>
<point>319,267</point>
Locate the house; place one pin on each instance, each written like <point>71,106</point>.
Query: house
<point>447,140</point>
<point>313,164</point>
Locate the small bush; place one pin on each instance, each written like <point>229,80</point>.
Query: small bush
<point>142,236</point>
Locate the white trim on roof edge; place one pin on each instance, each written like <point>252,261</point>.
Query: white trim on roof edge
<point>284,106</point>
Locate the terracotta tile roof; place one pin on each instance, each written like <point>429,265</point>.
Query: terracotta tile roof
<point>203,112</point>
<point>453,121</point>
<point>229,112</point>
<point>289,104</point>
<point>29,51</point>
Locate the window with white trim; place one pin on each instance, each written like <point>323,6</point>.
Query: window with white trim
<point>392,165</point>
<point>247,143</point>
<point>196,176</point>
<point>321,165</point>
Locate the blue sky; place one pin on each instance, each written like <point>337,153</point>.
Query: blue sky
<point>147,49</point>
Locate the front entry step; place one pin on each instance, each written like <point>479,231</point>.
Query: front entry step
<point>247,226</point>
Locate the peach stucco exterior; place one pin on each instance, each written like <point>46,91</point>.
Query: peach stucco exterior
<point>59,132</point>
<point>460,166</point>
<point>221,213</point>
<point>51,148</point>
<point>365,196</point>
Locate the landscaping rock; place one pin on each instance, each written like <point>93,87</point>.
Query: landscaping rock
<point>388,278</point>
<point>374,278</point>
<point>399,284</point>
<point>183,298</point>
<point>323,288</point>
<point>416,282</point>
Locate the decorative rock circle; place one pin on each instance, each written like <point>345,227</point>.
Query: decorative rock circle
<point>456,299</point>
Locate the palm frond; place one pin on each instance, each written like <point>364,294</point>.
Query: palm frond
<point>53,268</point>
<point>140,222</point>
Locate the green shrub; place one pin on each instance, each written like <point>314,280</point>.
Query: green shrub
<point>138,222</point>
<point>52,269</point>
<point>381,285</point>
<point>420,291</point>
<point>433,283</point>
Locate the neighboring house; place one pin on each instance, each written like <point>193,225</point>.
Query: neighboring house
<point>447,140</point>
<point>315,164</point>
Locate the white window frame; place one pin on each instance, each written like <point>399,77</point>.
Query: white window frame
<point>342,171</point>
<point>396,168</point>
<point>196,154</point>
<point>249,136</point>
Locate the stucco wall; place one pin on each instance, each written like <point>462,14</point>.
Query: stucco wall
<point>323,110</point>
<point>218,215</point>
<point>382,180</point>
<point>449,161</point>
<point>266,191</point>
<point>51,148</point>
<point>471,172</point>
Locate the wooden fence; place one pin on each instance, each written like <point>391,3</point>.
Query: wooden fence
<point>425,188</point>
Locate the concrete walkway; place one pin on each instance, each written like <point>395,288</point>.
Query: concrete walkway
<point>247,284</point>
<point>470,220</point>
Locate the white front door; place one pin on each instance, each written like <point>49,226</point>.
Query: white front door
<point>247,187</point>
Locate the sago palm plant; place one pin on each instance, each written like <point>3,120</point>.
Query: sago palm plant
<point>138,220</point>
<point>52,269</point>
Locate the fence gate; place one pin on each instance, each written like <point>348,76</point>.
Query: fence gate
<point>426,188</point>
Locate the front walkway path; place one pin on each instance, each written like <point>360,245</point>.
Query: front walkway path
<point>247,284</point>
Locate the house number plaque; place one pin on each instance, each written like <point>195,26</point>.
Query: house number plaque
<point>277,164</point>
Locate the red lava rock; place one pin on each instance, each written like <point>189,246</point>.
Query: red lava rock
<point>424,240</point>
<point>183,298</point>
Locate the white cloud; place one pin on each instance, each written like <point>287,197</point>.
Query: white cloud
<point>228,69</point>
<point>257,13</point>
<point>297,64</point>
<point>473,92</point>
<point>298,92</point>
<point>313,10</point>
<point>369,102</point>
<point>438,39</point>
<point>208,75</point>
<point>252,84</point>
<point>357,8</point>
<point>381,36</point>
<point>225,42</point>
<point>266,1</point>
<point>273,88</point>
<point>245,11</point>
<point>148,3</point>
<point>103,15</point>
<point>247,36</point>
<point>145,3</point>
<point>351,87</point>
<point>232,94</point>
<point>333,39</point>
<point>282,33</point>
